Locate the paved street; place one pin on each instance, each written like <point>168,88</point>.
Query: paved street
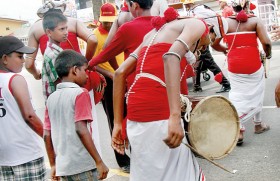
<point>256,160</point>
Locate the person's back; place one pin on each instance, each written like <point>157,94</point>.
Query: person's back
<point>67,121</point>
<point>21,154</point>
<point>157,62</point>
<point>245,34</point>
<point>245,69</point>
<point>55,26</point>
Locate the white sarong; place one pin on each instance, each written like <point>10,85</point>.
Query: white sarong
<point>247,93</point>
<point>152,160</point>
<point>94,124</point>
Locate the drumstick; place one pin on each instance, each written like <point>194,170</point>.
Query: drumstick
<point>211,161</point>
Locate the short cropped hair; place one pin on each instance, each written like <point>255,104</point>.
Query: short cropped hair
<point>51,20</point>
<point>144,4</point>
<point>66,60</point>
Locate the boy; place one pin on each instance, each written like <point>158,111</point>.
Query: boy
<point>68,141</point>
<point>21,154</point>
<point>55,26</point>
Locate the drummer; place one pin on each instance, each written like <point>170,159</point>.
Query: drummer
<point>246,72</point>
<point>154,126</point>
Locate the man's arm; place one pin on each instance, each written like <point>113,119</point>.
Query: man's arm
<point>122,18</point>
<point>218,46</point>
<point>119,89</point>
<point>111,51</point>
<point>30,59</point>
<point>264,39</point>
<point>86,35</point>
<point>21,95</point>
<point>104,72</point>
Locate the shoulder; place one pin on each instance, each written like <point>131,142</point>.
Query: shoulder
<point>17,81</point>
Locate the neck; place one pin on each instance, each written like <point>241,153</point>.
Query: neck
<point>4,69</point>
<point>144,12</point>
<point>54,42</point>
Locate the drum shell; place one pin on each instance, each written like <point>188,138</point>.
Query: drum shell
<point>213,129</point>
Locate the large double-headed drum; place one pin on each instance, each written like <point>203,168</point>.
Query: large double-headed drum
<point>213,127</point>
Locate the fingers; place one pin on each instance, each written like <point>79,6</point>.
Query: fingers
<point>118,147</point>
<point>103,175</point>
<point>55,179</point>
<point>174,140</point>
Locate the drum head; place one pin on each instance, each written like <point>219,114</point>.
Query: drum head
<point>213,129</point>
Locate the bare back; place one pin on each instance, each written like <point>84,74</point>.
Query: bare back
<point>190,30</point>
<point>253,24</point>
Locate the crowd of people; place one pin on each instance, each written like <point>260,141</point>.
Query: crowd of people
<point>147,49</point>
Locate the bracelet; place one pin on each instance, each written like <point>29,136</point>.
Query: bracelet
<point>184,43</point>
<point>172,53</point>
<point>269,57</point>
<point>89,36</point>
<point>134,55</point>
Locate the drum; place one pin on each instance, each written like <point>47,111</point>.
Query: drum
<point>213,127</point>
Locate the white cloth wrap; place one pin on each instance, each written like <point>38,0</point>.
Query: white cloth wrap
<point>190,57</point>
<point>153,160</point>
<point>247,93</point>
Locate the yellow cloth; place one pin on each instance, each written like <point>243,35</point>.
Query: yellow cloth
<point>101,38</point>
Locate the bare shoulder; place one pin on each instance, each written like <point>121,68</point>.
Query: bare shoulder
<point>18,81</point>
<point>37,29</point>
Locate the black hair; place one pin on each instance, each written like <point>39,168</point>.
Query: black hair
<point>66,60</point>
<point>237,7</point>
<point>51,20</point>
<point>144,4</point>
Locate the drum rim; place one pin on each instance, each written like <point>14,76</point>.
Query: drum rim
<point>230,149</point>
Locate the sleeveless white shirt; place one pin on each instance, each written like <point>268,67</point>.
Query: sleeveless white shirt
<point>19,144</point>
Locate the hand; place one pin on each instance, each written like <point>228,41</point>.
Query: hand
<point>175,133</point>
<point>102,170</point>
<point>102,85</point>
<point>37,75</point>
<point>118,142</point>
<point>52,173</point>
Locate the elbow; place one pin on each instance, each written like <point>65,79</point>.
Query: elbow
<point>80,131</point>
<point>119,74</point>
<point>46,135</point>
<point>29,117</point>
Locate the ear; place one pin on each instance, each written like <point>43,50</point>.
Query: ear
<point>75,70</point>
<point>4,59</point>
<point>48,32</point>
<point>135,5</point>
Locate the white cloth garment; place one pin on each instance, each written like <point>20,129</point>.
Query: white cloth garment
<point>153,160</point>
<point>94,125</point>
<point>247,93</point>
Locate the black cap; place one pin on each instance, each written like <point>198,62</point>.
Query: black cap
<point>9,44</point>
